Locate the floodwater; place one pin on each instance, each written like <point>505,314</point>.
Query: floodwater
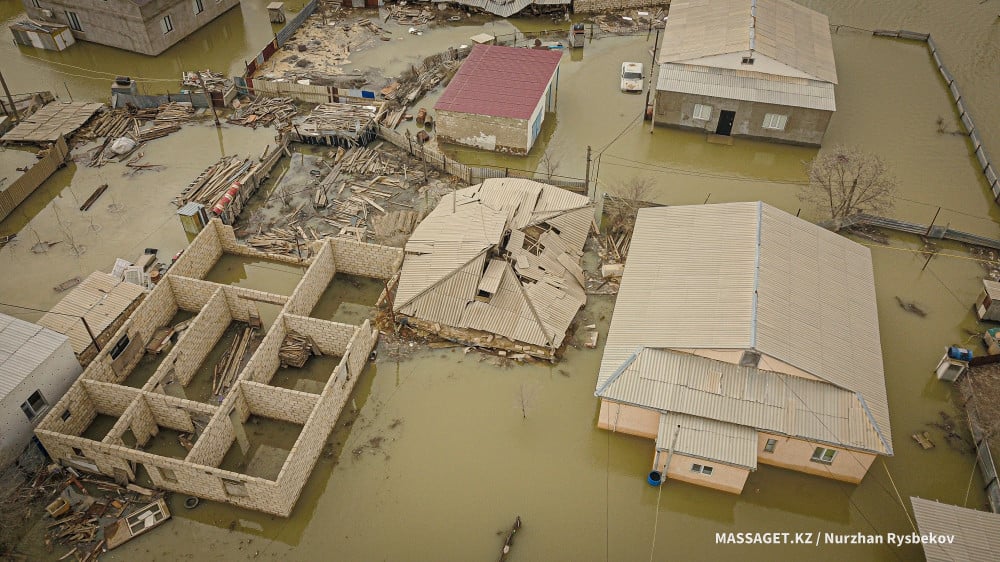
<point>257,274</point>
<point>311,377</point>
<point>437,453</point>
<point>199,388</point>
<point>348,299</point>
<point>268,444</point>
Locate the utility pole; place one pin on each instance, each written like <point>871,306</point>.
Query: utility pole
<point>587,176</point>
<point>931,227</point>
<point>10,98</point>
<point>90,333</point>
<point>208,97</point>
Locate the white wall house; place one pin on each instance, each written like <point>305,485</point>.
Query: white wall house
<point>37,366</point>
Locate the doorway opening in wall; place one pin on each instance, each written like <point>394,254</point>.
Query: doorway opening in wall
<point>725,126</point>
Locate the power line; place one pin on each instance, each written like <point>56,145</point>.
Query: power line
<point>92,71</point>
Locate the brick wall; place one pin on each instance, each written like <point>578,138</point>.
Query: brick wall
<point>81,412</point>
<point>141,421</point>
<point>214,442</point>
<point>593,6</point>
<point>367,260</point>
<point>229,244</point>
<point>242,300</point>
<point>196,342</point>
<point>175,413</point>
<point>109,399</point>
<point>313,283</point>
<point>278,403</point>
<point>200,255</point>
<point>331,337</point>
<point>191,294</point>
<point>265,360</point>
<point>487,132</point>
<point>360,348</point>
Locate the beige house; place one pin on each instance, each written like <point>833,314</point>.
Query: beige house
<point>743,335</point>
<point>753,68</point>
<point>498,265</point>
<point>976,533</point>
<point>141,26</point>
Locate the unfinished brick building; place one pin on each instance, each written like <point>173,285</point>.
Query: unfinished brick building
<point>104,425</point>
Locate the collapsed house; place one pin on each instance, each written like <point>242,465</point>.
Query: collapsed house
<point>152,410</point>
<point>497,265</point>
<point>743,335</point>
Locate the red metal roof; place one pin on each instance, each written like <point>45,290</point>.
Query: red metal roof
<point>500,81</point>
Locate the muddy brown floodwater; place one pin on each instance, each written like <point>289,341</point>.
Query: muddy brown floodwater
<point>436,454</point>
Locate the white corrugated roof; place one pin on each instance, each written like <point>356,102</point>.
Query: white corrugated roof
<point>743,276</point>
<point>977,533</point>
<point>683,383</point>
<point>992,288</point>
<point>708,439</point>
<point>23,347</point>
<point>747,86</point>
<point>786,38</point>
<point>100,298</point>
<point>455,252</point>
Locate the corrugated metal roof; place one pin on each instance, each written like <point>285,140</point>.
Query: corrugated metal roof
<point>500,81</point>
<point>671,381</point>
<point>795,39</point>
<point>100,298</point>
<point>992,288</point>
<point>454,253</point>
<point>749,276</point>
<point>708,439</point>
<point>23,347</point>
<point>747,86</point>
<point>977,533</point>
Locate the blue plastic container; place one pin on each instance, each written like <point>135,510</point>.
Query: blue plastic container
<point>960,353</point>
<point>654,478</point>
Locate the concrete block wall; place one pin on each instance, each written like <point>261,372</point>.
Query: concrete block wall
<point>313,283</point>
<point>191,294</point>
<point>214,442</point>
<point>264,361</point>
<point>175,413</point>
<point>242,300</point>
<point>360,348</point>
<point>81,410</point>
<point>331,337</point>
<point>199,257</point>
<point>108,458</point>
<point>109,399</point>
<point>141,421</point>
<point>595,6</point>
<point>278,403</point>
<point>229,244</point>
<point>487,132</point>
<point>195,344</point>
<point>367,260</point>
<point>100,369</point>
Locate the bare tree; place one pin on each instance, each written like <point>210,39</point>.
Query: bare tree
<point>847,181</point>
<point>622,208</point>
<point>549,163</point>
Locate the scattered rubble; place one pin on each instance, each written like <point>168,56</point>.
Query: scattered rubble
<point>264,111</point>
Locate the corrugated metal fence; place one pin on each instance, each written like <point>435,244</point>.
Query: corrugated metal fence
<point>982,156</point>
<point>279,40</point>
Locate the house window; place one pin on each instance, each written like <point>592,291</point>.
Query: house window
<point>770,445</point>
<point>702,112</point>
<point>78,452</point>
<point>65,415</point>
<point>167,24</point>
<point>702,469</point>
<point>167,474</point>
<point>34,405</point>
<point>74,21</point>
<point>119,347</point>
<point>823,455</point>
<point>775,121</point>
<point>199,7</point>
<point>750,359</point>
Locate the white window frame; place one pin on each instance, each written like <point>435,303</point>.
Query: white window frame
<point>702,469</point>
<point>823,455</point>
<point>30,410</point>
<point>199,6</point>
<point>167,24</point>
<point>775,121</point>
<point>74,21</point>
<point>770,445</point>
<point>702,112</point>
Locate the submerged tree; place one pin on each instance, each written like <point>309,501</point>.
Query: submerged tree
<point>847,181</point>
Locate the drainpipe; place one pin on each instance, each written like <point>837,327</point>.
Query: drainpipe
<point>670,453</point>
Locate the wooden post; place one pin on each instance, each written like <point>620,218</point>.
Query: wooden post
<point>10,99</point>
<point>586,178</point>
<point>90,333</point>
<point>208,96</point>
<point>929,228</point>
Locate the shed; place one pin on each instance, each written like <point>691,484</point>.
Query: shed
<point>756,68</point>
<point>976,533</point>
<point>104,301</point>
<point>50,36</point>
<point>193,217</point>
<point>37,366</point>
<point>988,304</point>
<point>719,318</point>
<point>276,12</point>
<point>498,98</point>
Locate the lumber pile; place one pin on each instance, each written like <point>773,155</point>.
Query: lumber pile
<point>212,81</point>
<point>228,368</point>
<point>213,183</point>
<point>296,349</point>
<point>264,111</point>
<point>157,131</point>
<point>112,123</point>
<point>282,241</point>
<point>173,112</point>
<point>337,118</point>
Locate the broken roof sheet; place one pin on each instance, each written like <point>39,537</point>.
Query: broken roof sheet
<point>739,276</point>
<point>52,121</point>
<point>23,347</point>
<point>100,298</point>
<point>783,31</point>
<point>672,381</point>
<point>977,533</point>
<point>533,284</point>
<point>500,81</point>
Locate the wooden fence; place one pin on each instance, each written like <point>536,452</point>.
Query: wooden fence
<point>25,185</point>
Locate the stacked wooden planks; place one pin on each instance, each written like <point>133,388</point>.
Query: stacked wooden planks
<point>296,349</point>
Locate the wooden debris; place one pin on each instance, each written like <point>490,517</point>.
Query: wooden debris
<point>264,111</point>
<point>93,197</point>
<point>67,284</point>
<point>160,340</point>
<point>227,369</point>
<point>296,349</point>
<point>505,551</point>
<point>924,440</point>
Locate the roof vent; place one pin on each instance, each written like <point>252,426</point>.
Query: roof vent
<point>747,60</point>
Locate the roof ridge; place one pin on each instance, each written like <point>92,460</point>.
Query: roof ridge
<point>756,278</point>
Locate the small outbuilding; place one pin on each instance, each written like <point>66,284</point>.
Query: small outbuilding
<point>754,68</point>
<point>988,304</point>
<point>975,535</point>
<point>499,97</point>
<point>497,265</point>
<point>37,366</point>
